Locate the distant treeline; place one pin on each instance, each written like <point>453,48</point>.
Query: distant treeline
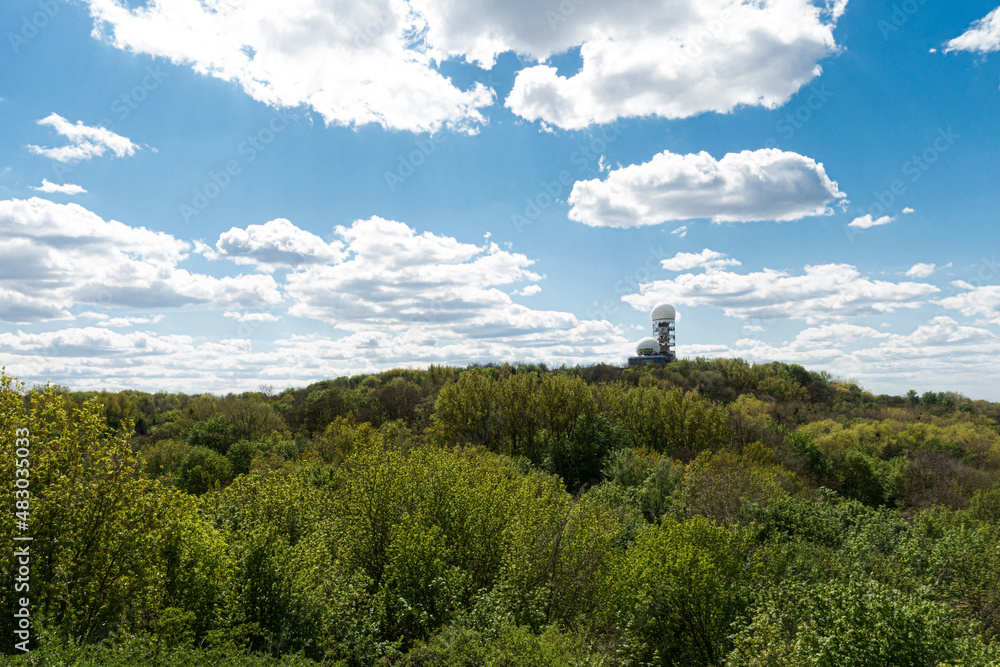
<point>705,512</point>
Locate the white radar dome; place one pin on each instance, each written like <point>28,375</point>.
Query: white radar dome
<point>664,312</point>
<point>647,346</point>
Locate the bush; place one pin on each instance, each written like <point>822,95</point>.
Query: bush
<point>164,458</point>
<point>203,470</point>
<point>857,623</point>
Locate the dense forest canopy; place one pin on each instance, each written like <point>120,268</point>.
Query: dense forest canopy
<point>705,512</point>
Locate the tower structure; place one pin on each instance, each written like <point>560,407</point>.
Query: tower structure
<point>660,348</point>
<point>664,317</point>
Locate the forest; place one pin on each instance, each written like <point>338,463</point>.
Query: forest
<point>704,512</point>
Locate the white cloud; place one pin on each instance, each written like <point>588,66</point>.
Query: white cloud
<point>66,189</point>
<point>672,59</point>
<point>529,290</point>
<point>836,335</point>
<point>921,270</point>
<point>767,184</point>
<point>84,142</point>
<point>908,210</point>
<point>106,320</point>
<point>708,259</point>
<point>55,256</point>
<point>396,276</point>
<point>374,61</point>
<point>983,300</point>
<point>275,244</point>
<point>95,357</point>
<point>681,231</point>
<point>983,36</point>
<point>251,317</point>
<point>824,293</point>
<point>867,221</point>
<point>939,355</point>
<point>353,62</point>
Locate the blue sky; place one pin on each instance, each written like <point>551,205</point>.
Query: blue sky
<point>201,196</point>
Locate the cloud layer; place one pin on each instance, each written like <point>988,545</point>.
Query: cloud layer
<point>824,293</point>
<point>56,256</point>
<point>375,61</point>
<point>768,184</point>
<point>354,63</point>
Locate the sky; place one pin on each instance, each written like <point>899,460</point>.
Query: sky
<point>214,196</point>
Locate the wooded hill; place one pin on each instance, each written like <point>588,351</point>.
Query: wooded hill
<point>706,512</point>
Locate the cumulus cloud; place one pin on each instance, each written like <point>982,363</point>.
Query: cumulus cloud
<point>768,184</point>
<point>394,275</point>
<point>65,189</point>
<point>275,244</point>
<point>921,270</point>
<point>84,142</point>
<point>983,36</point>
<point>867,221</point>
<point>708,259</point>
<point>55,256</point>
<point>672,59</point>
<point>352,62</point>
<point>983,301</point>
<point>375,61</point>
<point>824,293</point>
<point>681,231</point>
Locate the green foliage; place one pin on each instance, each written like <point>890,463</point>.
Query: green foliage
<point>679,589</point>
<point>97,523</point>
<point>164,459</point>
<point>704,512</point>
<point>214,433</point>
<point>508,646</point>
<point>856,623</point>
<point>203,470</point>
